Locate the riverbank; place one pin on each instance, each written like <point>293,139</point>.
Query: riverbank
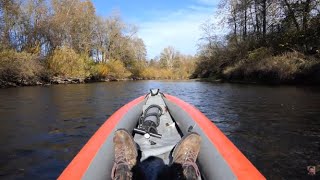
<point>62,80</point>
<point>256,81</point>
<point>57,80</point>
<point>262,67</point>
<point>65,66</point>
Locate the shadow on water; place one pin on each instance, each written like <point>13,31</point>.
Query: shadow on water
<point>42,128</point>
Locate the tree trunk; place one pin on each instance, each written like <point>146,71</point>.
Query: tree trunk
<point>264,18</point>
<point>234,24</point>
<point>306,14</point>
<point>245,23</point>
<point>257,18</point>
<point>292,15</point>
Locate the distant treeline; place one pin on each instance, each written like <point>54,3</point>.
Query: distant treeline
<point>270,41</point>
<point>42,39</point>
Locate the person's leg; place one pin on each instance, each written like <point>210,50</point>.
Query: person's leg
<point>125,155</point>
<point>150,168</point>
<point>184,158</point>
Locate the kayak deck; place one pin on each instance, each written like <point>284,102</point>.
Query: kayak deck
<point>159,147</point>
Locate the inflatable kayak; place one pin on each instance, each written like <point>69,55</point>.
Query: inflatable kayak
<point>158,122</point>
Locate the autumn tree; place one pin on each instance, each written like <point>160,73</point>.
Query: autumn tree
<point>53,31</point>
<point>168,57</point>
<point>9,13</point>
<point>260,29</point>
<point>72,23</point>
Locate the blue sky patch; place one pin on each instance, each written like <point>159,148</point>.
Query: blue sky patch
<point>163,23</point>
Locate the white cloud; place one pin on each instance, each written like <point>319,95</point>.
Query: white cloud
<point>180,29</point>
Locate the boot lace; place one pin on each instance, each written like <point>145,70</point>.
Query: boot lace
<point>120,160</point>
<point>190,160</point>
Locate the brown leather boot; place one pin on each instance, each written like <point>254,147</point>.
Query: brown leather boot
<point>186,153</point>
<point>125,155</point>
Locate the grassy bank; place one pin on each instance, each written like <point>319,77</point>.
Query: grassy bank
<point>263,66</point>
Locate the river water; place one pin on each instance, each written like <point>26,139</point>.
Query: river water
<point>42,128</point>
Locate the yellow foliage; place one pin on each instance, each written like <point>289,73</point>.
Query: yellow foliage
<point>152,73</point>
<point>157,73</point>
<point>166,74</point>
<point>117,69</point>
<point>66,62</point>
<point>17,66</point>
<point>100,70</point>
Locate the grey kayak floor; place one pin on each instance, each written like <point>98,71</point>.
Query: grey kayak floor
<point>159,147</point>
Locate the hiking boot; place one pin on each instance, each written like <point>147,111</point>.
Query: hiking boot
<point>125,155</point>
<point>186,153</point>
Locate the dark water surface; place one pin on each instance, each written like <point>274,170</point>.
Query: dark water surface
<point>42,128</point>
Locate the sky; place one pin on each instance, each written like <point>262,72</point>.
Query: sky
<point>163,23</point>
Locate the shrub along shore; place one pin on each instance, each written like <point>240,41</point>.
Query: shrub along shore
<point>65,66</point>
<point>261,67</point>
